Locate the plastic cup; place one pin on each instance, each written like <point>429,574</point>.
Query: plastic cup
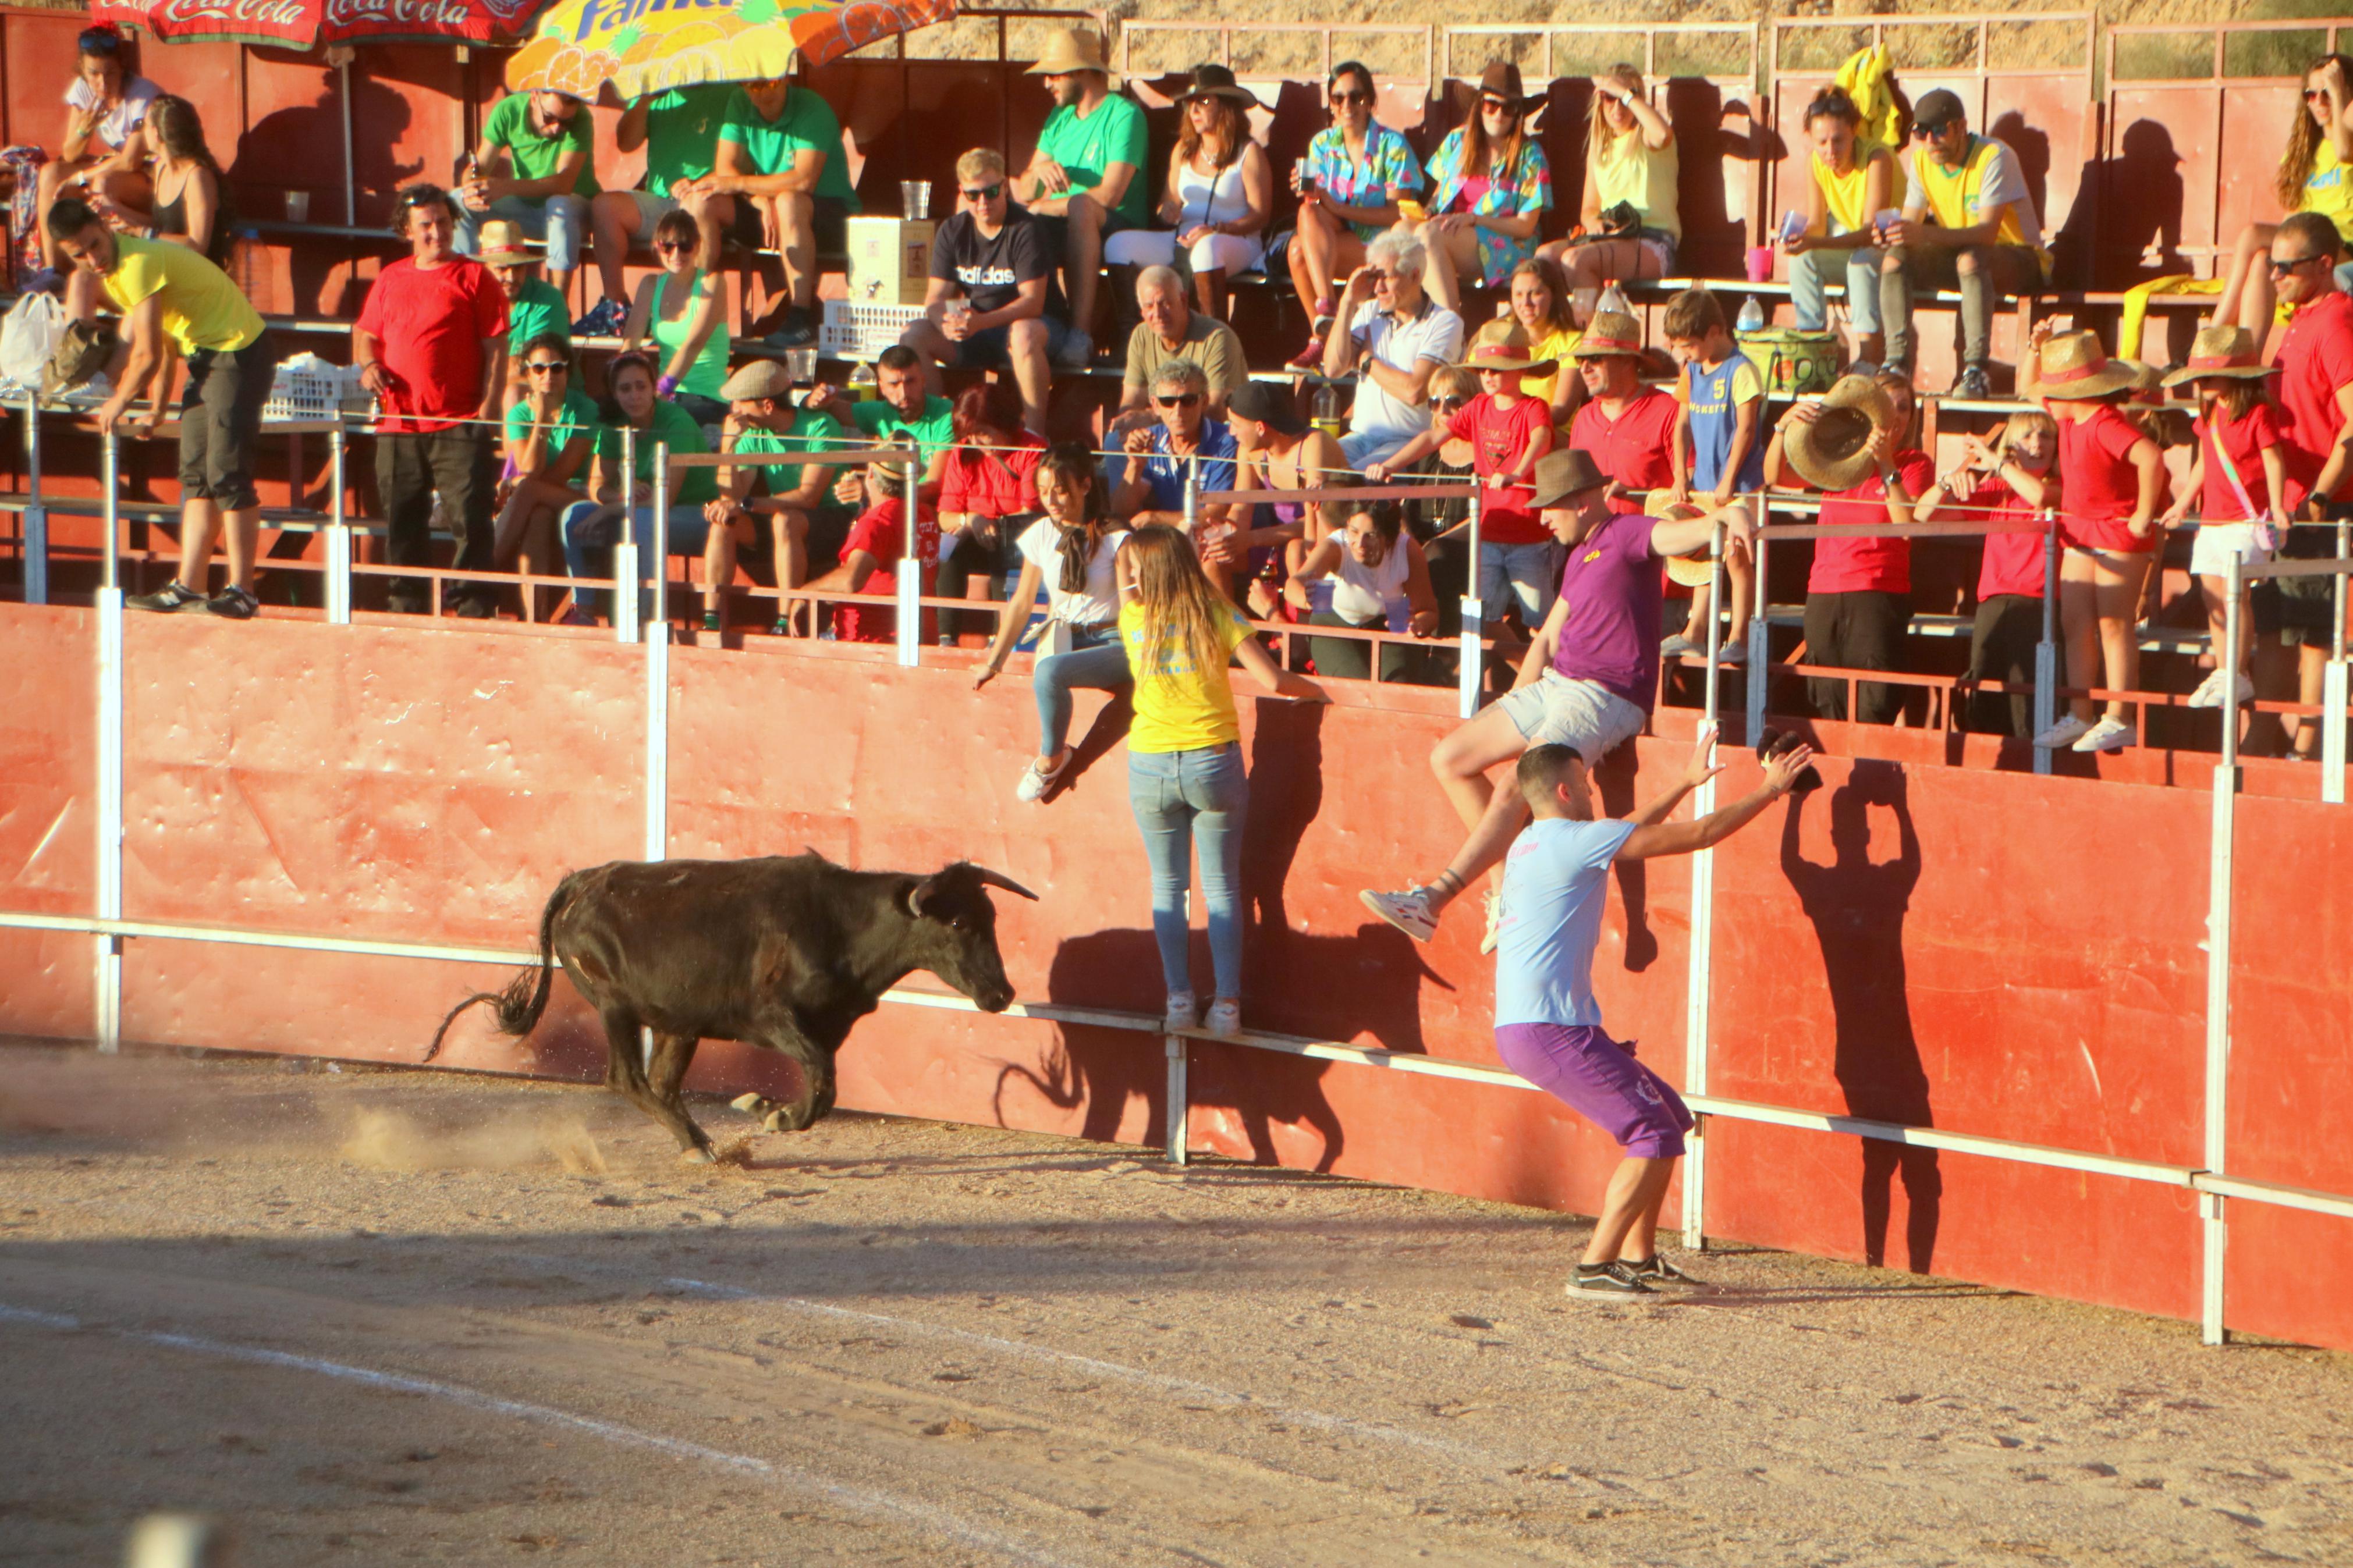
<point>1793,224</point>
<point>914,199</point>
<point>1886,218</point>
<point>801,365</point>
<point>298,207</point>
<point>1760,263</point>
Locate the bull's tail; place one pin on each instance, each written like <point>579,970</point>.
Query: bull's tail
<point>525,996</point>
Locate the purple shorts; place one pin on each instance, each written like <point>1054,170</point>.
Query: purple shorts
<point>1600,1081</point>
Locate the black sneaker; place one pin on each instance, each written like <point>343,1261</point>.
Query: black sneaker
<point>233,603</point>
<point>1656,1270</point>
<point>1606,1281</point>
<point>477,608</point>
<point>174,596</point>
<point>796,330</point>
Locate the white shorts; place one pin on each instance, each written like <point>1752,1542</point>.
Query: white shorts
<point>1557,710</point>
<point>2217,542</point>
<point>1232,254</point>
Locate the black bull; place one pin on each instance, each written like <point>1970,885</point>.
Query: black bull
<point>785,952</point>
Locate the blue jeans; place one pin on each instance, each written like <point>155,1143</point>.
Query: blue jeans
<point>1176,795</point>
<point>1810,275</point>
<point>1524,575</point>
<point>1097,660</point>
<point>561,221</point>
<point>590,529</point>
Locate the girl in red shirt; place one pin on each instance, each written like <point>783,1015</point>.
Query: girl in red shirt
<point>2238,486</point>
<point>2111,481</point>
<point>2006,482</point>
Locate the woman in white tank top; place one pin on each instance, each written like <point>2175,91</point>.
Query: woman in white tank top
<point>1380,582</point>
<point>1220,194</point>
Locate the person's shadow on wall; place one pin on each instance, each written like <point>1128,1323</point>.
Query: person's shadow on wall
<point>302,149</point>
<point>2126,225</point>
<point>1857,909</point>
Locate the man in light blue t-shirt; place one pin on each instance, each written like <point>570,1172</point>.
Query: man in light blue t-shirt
<point>1547,1024</point>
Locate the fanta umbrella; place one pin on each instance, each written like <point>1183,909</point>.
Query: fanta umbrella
<point>640,47</point>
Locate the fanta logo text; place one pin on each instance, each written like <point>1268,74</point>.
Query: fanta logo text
<point>611,16</point>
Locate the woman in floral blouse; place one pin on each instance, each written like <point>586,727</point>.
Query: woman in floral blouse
<point>1348,194</point>
<point>1489,185</point>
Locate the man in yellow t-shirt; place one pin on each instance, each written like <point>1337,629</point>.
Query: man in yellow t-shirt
<point>1968,224</point>
<point>174,300</point>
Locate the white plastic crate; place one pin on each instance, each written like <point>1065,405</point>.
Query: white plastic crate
<point>860,332</point>
<point>312,389</point>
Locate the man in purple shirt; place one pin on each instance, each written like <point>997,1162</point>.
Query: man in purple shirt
<point>1589,680</point>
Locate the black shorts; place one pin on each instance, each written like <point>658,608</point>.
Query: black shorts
<point>830,218</point>
<point>220,415</point>
<point>2301,610</point>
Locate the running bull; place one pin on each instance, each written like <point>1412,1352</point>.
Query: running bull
<point>785,952</point>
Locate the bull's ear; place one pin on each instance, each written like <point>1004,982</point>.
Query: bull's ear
<point>990,879</point>
<point>921,894</point>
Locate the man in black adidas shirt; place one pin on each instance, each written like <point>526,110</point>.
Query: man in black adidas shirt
<point>993,302</point>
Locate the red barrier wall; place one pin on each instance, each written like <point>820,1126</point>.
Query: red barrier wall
<point>1991,953</point>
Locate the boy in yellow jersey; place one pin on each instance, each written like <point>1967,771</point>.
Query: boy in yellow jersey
<point>1968,224</point>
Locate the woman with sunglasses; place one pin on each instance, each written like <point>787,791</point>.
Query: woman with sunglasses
<point>1630,165</point>
<point>593,526</point>
<point>1490,187</point>
<point>989,496</point>
<point>678,316</point>
<point>1221,193</point>
<point>2315,175</point>
<point>1348,186</point>
<point>103,106</point>
<point>1439,525</point>
<point>550,430</point>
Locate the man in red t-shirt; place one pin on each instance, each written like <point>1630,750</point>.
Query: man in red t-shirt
<point>1627,427</point>
<point>2315,394</point>
<point>1859,593</point>
<point>431,343</point>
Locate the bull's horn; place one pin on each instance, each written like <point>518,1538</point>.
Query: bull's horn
<point>990,879</point>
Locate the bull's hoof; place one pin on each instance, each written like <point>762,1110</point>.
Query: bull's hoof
<point>695,1156</point>
<point>755,1104</point>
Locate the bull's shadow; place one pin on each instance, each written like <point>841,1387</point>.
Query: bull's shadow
<point>1857,909</point>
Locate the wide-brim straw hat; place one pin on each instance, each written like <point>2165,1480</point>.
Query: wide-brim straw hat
<point>1210,81</point>
<point>2074,364</point>
<point>1609,332</point>
<point>1832,452</point>
<point>501,245</point>
<point>1070,49</point>
<point>1562,474</point>
<point>1693,569</point>
<point>2228,352</point>
<point>1502,79</point>
<point>1503,345</point>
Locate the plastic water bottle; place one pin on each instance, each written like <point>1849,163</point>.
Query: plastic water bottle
<point>862,385</point>
<point>1612,299</point>
<point>1752,316</point>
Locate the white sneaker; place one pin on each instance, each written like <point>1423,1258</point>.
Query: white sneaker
<point>1680,646</point>
<point>2063,733</point>
<point>1184,1013</point>
<point>2208,693</point>
<point>1078,351</point>
<point>1034,783</point>
<point>1225,1017</point>
<point>1733,652</point>
<point>2107,735</point>
<point>1494,922</point>
<point>1410,912</point>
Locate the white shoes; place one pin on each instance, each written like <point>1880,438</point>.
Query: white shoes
<point>2107,735</point>
<point>1494,922</point>
<point>1409,912</point>
<point>1225,1017</point>
<point>1184,1011</point>
<point>2066,733</point>
<point>2210,691</point>
<point>1034,783</point>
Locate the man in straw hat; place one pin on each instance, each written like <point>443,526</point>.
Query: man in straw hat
<point>1508,431</point>
<point>1628,427</point>
<point>1859,592</point>
<point>1589,682</point>
<point>1081,183</point>
<point>1396,339</point>
<point>2238,488</point>
<point>534,307</point>
<point>1547,1024</point>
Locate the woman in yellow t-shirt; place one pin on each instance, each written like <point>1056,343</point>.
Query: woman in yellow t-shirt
<point>1540,304</point>
<point>2315,175</point>
<point>1630,160</point>
<point>1853,182</point>
<point>1185,757</point>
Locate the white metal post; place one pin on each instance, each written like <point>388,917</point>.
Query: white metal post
<point>625,554</point>
<point>37,516</point>
<point>1760,635</point>
<point>2046,652</point>
<point>2217,987</point>
<point>2333,685</point>
<point>108,955</point>
<point>910,575</point>
<point>339,534</point>
<point>657,671</point>
<point>1473,656</point>
<point>1180,1105</point>
<point>1701,974</point>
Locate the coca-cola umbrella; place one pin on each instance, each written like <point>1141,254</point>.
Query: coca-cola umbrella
<point>334,24</point>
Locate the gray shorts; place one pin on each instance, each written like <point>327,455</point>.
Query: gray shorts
<point>1558,710</point>
<point>650,208</point>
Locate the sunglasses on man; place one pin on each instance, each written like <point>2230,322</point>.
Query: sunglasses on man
<point>1925,131</point>
<point>984,193</point>
<point>2281,266</point>
<point>1182,400</point>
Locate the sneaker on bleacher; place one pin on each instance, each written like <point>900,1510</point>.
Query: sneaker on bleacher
<point>1078,351</point>
<point>605,322</point>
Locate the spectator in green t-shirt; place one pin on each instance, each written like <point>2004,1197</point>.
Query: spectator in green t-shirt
<point>778,181</point>
<point>1080,184</point>
<point>532,167</point>
<point>679,129</point>
<point>761,419</point>
<point>550,429</point>
<point>533,307</point>
<point>905,409</point>
<point>592,527</point>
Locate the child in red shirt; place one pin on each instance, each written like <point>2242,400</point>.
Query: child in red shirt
<point>1508,431</point>
<point>2239,487</point>
<point>2005,483</point>
<point>872,551</point>
<point>2111,481</point>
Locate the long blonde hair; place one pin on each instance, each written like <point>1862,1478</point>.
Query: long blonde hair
<point>1183,612</point>
<point>2025,422</point>
<point>2302,138</point>
<point>1600,141</point>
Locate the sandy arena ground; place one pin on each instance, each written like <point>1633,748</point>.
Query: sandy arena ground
<point>385,1316</point>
